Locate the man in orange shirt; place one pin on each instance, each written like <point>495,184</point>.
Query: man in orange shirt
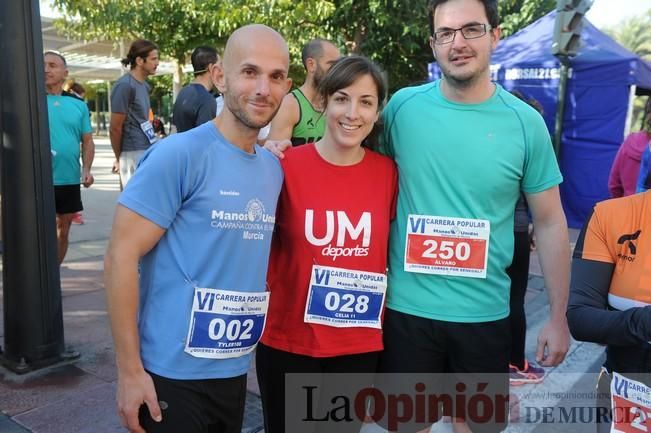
<point>610,300</point>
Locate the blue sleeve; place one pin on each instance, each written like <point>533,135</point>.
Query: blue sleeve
<point>161,182</point>
<point>644,170</point>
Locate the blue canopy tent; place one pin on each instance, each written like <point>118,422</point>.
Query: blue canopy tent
<point>602,77</point>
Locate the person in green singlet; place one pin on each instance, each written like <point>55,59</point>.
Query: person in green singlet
<point>299,118</point>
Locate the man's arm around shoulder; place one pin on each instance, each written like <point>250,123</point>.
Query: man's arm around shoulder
<point>132,237</point>
<point>553,248</point>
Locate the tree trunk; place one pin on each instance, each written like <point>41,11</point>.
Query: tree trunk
<point>177,81</point>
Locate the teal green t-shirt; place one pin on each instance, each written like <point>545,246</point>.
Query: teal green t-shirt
<point>464,162</point>
<point>68,121</point>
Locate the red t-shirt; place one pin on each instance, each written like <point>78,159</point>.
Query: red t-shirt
<point>331,195</point>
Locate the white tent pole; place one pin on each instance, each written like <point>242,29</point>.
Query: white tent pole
<point>123,54</point>
<point>629,111</point>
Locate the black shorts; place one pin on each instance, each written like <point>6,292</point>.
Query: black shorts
<point>67,199</point>
<point>452,352</point>
<point>341,375</point>
<point>197,406</point>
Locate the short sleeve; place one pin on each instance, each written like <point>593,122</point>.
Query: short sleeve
<point>120,97</point>
<point>386,145</point>
<point>541,170</point>
<point>593,241</point>
<point>86,127</point>
<point>160,183</point>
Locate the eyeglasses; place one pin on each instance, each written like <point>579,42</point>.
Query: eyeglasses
<point>471,31</point>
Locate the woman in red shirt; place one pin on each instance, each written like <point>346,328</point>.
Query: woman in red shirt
<point>327,270</point>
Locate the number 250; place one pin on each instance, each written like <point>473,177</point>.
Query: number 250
<point>446,250</point>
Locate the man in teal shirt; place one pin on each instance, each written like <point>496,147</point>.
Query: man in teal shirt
<point>69,123</point>
<point>465,149</point>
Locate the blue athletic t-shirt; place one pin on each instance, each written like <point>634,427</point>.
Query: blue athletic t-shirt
<point>217,204</point>
<point>68,121</point>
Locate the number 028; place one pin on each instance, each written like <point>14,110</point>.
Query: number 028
<point>446,250</point>
<point>351,303</point>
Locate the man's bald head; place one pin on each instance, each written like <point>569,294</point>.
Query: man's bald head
<point>253,76</point>
<point>251,35</point>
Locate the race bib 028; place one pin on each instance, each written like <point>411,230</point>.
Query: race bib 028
<point>447,246</point>
<point>345,298</point>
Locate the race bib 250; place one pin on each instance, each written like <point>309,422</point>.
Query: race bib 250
<point>447,246</point>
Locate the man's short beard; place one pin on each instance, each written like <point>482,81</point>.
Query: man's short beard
<point>248,122</point>
<point>463,83</point>
<point>456,83</point>
<point>318,77</point>
<point>244,118</point>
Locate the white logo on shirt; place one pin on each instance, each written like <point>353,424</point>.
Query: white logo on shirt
<point>253,222</point>
<point>255,210</point>
<point>345,229</point>
<point>233,193</point>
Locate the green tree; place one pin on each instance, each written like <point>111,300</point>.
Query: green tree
<point>178,26</point>
<point>635,35</point>
<point>517,14</point>
<point>394,33</point>
<point>174,25</point>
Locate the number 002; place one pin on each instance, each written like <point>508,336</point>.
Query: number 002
<point>235,330</point>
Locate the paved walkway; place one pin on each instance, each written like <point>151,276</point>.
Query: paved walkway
<point>80,396</point>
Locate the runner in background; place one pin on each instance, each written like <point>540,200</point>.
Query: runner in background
<point>300,116</point>
<point>78,91</point>
<point>629,171</point>
<point>131,131</point>
<point>71,138</point>
<point>610,303</point>
<point>195,104</point>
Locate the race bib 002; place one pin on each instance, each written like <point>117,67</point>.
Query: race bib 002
<point>631,405</point>
<point>447,246</point>
<point>225,323</point>
<point>345,298</point>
